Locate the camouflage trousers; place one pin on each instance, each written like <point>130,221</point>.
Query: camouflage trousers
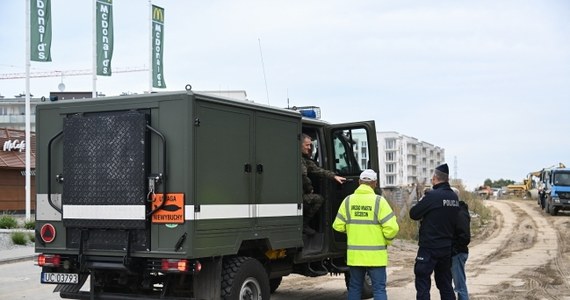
<point>311,204</point>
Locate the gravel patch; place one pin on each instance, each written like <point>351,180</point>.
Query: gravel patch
<point>6,240</point>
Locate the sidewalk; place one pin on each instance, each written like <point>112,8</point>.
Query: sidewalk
<point>16,254</point>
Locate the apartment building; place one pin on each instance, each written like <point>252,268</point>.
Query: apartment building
<point>406,160</point>
<point>403,160</point>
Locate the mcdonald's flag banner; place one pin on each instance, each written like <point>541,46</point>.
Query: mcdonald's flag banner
<point>157,46</point>
<point>104,36</point>
<point>40,27</point>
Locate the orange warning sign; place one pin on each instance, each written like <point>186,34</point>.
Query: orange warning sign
<point>171,212</point>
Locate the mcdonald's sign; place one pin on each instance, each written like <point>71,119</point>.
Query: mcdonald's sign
<point>157,14</point>
<point>157,47</point>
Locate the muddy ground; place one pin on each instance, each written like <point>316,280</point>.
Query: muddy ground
<point>521,254</point>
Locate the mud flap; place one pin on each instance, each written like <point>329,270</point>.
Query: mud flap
<point>208,281</point>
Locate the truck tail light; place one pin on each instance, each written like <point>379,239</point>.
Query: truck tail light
<point>49,260</point>
<point>180,265</point>
<point>174,265</point>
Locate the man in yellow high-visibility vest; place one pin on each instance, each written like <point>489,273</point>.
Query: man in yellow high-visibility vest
<point>370,226</point>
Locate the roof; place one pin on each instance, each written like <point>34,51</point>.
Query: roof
<point>14,158</point>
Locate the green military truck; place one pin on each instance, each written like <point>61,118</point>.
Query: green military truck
<point>186,195</point>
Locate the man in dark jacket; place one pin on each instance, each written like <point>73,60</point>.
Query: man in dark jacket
<point>460,250</point>
<point>311,200</point>
<point>437,211</point>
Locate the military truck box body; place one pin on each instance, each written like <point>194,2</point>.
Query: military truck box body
<point>180,194</point>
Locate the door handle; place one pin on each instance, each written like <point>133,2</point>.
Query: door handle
<point>259,168</point>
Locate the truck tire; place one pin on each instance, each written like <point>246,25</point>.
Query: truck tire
<point>244,278</point>
<point>367,291</point>
<point>553,210</point>
<point>274,284</point>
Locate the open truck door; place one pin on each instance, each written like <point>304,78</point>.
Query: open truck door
<point>353,148</point>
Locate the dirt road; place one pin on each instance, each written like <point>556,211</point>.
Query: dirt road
<point>523,254</point>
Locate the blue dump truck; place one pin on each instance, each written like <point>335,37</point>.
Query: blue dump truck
<point>187,195</point>
<point>554,190</point>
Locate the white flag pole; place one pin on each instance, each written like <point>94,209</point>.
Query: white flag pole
<point>94,49</point>
<point>28,145</point>
<point>150,46</point>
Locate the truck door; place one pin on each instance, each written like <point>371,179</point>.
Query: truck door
<point>277,164</point>
<point>223,167</point>
<point>352,148</point>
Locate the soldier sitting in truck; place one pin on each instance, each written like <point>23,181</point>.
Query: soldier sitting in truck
<point>312,202</point>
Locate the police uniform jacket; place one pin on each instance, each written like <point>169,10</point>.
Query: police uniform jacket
<point>437,211</point>
<point>462,230</point>
<point>370,226</point>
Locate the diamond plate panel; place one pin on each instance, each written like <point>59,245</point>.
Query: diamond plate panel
<point>104,163</point>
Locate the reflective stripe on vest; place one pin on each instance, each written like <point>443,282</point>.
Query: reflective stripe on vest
<point>371,248</point>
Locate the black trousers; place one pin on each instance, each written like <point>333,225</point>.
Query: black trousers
<point>437,261</point>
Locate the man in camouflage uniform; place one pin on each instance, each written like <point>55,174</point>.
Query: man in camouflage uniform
<point>312,202</point>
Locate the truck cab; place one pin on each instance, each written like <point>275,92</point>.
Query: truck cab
<point>555,190</point>
<point>186,195</point>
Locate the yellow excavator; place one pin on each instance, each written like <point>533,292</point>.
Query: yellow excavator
<point>528,188</point>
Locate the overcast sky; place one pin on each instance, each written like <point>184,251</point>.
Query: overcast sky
<point>488,81</point>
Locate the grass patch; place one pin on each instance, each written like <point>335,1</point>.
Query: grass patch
<point>31,225</point>
<point>8,222</point>
<point>32,237</point>
<point>19,238</point>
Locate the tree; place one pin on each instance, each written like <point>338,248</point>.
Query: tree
<point>498,183</point>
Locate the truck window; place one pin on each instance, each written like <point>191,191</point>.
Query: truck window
<point>562,179</point>
<point>350,151</point>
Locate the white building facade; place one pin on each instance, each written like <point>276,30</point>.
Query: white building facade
<point>406,160</point>
<point>13,113</point>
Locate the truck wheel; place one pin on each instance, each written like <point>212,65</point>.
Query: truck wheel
<point>553,210</point>
<point>274,284</point>
<point>244,278</point>
<point>367,291</point>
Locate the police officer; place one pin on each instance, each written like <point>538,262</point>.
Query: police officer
<point>370,226</point>
<point>437,212</point>
<point>312,201</point>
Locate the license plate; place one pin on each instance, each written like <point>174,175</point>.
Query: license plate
<point>70,278</point>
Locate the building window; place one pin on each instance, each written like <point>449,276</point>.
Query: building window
<point>390,180</point>
<point>390,144</point>
<point>390,156</point>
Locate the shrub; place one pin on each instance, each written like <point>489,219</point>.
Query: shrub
<point>30,225</point>
<point>32,237</point>
<point>409,228</point>
<point>18,238</point>
<point>8,222</point>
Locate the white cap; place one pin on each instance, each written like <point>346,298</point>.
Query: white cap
<point>368,175</point>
